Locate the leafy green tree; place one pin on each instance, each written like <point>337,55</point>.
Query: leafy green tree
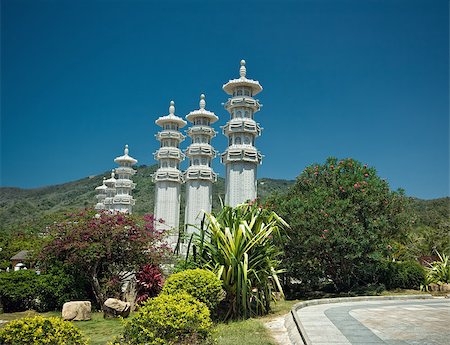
<point>343,218</point>
<point>105,248</point>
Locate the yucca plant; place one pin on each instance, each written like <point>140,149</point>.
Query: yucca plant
<point>439,271</point>
<point>238,245</point>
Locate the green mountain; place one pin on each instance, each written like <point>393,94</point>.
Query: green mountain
<point>21,205</point>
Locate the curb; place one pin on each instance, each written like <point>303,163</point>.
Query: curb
<point>298,332</point>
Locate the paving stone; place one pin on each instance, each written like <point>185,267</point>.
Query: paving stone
<point>392,322</point>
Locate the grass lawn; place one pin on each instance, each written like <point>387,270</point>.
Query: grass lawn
<point>250,332</point>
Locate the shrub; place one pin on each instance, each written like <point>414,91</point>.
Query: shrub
<point>403,275</point>
<point>41,330</point>
<point>201,284</point>
<point>149,282</point>
<point>18,290</point>
<point>438,272</point>
<point>238,244</point>
<point>168,319</point>
<point>25,289</point>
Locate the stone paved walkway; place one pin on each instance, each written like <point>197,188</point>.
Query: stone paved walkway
<point>409,322</point>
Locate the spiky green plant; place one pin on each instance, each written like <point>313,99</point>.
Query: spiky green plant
<point>238,245</point>
<point>439,271</point>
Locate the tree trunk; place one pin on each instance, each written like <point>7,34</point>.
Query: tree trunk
<point>96,289</point>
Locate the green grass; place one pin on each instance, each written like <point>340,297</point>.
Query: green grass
<point>249,332</point>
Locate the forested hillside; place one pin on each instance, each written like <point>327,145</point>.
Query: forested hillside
<point>23,205</point>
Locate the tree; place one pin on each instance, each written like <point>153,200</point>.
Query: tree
<point>343,218</point>
<point>104,247</point>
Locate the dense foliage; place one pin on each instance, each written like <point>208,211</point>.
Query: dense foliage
<point>201,284</point>
<point>402,275</point>
<point>39,330</point>
<point>168,319</point>
<point>149,281</point>
<point>25,289</point>
<point>343,219</point>
<point>104,247</point>
<point>238,244</point>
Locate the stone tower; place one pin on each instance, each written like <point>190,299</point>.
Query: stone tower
<point>241,158</point>
<point>168,178</point>
<point>123,200</point>
<point>199,176</point>
<point>101,196</point>
<point>110,190</point>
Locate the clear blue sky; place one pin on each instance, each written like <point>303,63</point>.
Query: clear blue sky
<point>363,79</point>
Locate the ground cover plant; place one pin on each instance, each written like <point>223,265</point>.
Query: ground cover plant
<point>238,245</point>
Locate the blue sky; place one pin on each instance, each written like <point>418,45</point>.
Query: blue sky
<point>363,79</point>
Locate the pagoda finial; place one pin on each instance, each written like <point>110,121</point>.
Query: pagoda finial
<point>242,70</point>
<point>112,173</point>
<point>172,108</point>
<point>202,101</point>
<point>126,150</point>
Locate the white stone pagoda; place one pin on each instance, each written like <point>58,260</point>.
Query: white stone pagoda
<point>123,200</point>
<point>110,192</point>
<point>101,195</point>
<point>241,157</point>
<point>199,176</point>
<point>168,178</point>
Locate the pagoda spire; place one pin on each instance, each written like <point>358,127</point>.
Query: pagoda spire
<point>168,178</point>
<point>123,200</point>
<point>241,158</point>
<point>101,195</point>
<point>199,176</point>
<point>110,192</point>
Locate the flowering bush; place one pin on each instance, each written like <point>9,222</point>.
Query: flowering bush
<point>342,217</point>
<point>39,330</point>
<point>103,246</point>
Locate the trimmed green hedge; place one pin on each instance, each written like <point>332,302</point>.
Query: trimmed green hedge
<point>202,284</point>
<point>40,330</point>
<point>168,319</point>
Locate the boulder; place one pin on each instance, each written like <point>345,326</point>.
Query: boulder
<point>76,311</point>
<point>115,308</point>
